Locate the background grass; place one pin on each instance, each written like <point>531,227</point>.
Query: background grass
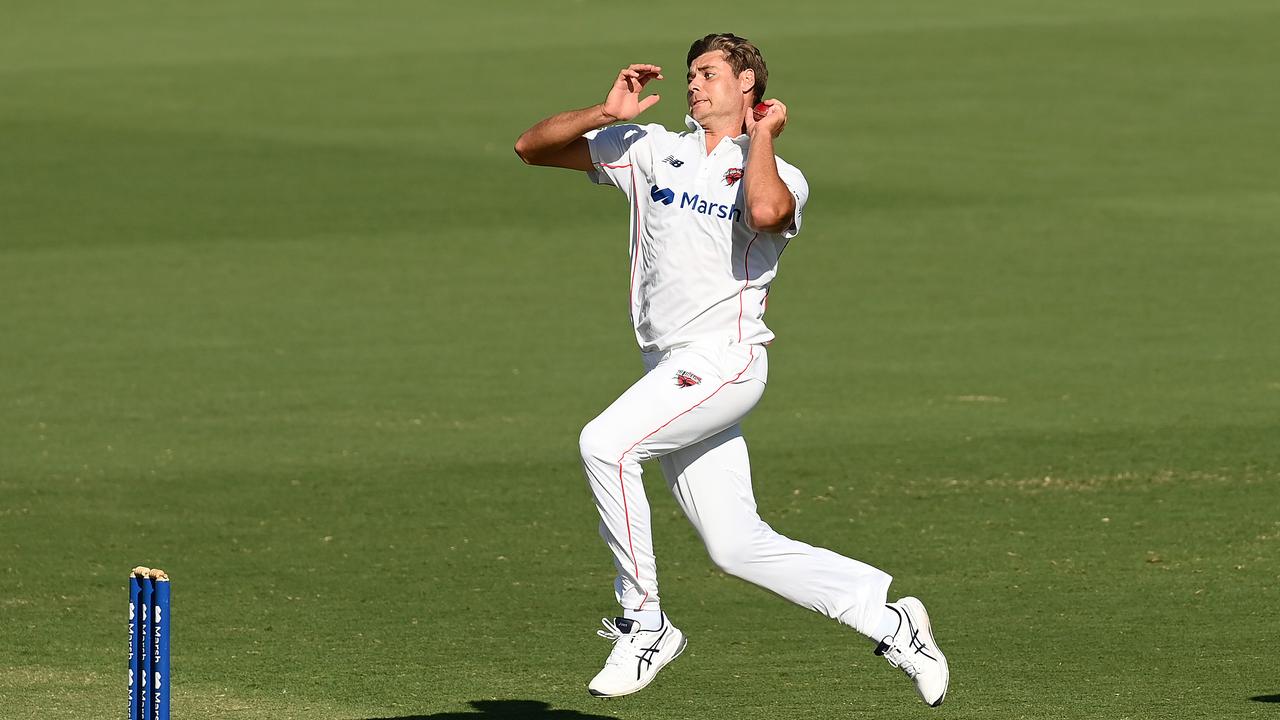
<point>281,313</point>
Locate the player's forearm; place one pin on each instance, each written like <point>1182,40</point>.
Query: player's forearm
<point>551,136</point>
<point>770,204</point>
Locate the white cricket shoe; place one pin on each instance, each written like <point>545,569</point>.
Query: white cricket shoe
<point>913,650</point>
<point>637,656</point>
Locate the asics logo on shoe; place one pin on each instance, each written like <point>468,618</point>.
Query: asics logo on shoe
<point>915,642</point>
<point>646,655</point>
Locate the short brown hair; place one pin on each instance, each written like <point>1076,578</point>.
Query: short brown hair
<point>740,53</point>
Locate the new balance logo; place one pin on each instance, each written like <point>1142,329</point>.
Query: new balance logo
<point>672,161</point>
<point>663,195</point>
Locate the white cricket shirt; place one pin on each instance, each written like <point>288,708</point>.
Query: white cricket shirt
<point>698,272</point>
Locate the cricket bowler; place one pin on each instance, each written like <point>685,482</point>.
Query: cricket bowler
<point>712,209</point>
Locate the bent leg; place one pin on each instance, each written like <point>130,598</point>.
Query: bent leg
<point>711,480</point>
<point>658,414</point>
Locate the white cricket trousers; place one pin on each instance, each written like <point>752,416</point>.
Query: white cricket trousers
<point>685,411</point>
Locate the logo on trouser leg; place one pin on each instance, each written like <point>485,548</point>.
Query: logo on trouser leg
<point>684,378</point>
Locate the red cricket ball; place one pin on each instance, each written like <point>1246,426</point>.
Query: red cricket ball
<point>759,111</point>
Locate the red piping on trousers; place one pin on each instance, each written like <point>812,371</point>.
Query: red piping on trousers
<point>622,484</point>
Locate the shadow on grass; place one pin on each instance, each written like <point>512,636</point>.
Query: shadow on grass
<point>506,710</point>
<point>1266,698</point>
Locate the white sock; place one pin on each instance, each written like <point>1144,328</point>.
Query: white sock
<point>889,622</point>
<point>648,619</point>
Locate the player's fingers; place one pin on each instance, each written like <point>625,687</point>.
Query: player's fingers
<point>649,102</point>
<point>640,71</point>
<point>637,76</point>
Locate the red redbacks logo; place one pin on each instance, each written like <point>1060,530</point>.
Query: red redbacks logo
<point>732,175</point>
<point>684,378</point>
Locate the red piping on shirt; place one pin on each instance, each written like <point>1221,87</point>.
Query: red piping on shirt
<point>746,280</point>
<point>635,246</point>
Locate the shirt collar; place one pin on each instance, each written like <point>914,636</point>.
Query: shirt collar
<point>696,127</point>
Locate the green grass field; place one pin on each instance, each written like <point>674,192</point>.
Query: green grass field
<point>281,313</point>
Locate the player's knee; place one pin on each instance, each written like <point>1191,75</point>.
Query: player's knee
<point>596,443</point>
<point>732,557</point>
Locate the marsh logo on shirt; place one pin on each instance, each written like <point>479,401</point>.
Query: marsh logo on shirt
<point>710,209</point>
<point>663,195</point>
<point>667,196</point>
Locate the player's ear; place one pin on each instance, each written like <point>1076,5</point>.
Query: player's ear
<point>747,80</point>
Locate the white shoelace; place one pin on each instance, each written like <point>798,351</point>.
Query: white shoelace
<point>898,659</point>
<point>621,650</point>
<point>611,630</point>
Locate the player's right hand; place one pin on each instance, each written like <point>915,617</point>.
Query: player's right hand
<point>624,101</point>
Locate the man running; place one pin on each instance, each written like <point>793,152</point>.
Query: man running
<point>711,211</point>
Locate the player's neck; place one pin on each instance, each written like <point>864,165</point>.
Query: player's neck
<point>715,131</point>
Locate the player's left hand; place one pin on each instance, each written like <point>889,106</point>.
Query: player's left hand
<point>772,122</point>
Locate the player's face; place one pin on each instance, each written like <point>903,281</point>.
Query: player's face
<point>714,92</point>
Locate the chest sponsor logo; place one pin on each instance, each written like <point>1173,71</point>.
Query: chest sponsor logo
<point>732,175</point>
<point>672,161</point>
<point>694,203</point>
<point>662,195</point>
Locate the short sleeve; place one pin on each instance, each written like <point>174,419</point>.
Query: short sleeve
<point>611,151</point>
<point>799,187</point>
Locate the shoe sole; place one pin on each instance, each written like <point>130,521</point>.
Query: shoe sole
<point>684,642</point>
<point>917,614</point>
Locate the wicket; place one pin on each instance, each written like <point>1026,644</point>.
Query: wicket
<point>149,628</point>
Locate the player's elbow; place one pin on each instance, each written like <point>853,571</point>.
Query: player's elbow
<point>770,218</point>
<point>529,151</point>
<point>524,151</point>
